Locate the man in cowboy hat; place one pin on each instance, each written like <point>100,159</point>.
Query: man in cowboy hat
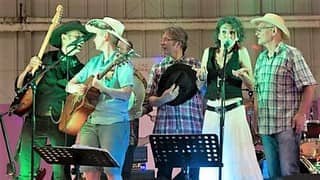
<point>50,95</point>
<point>285,87</point>
<point>186,115</point>
<point>108,125</point>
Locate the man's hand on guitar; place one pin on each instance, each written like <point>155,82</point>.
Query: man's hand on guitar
<point>34,64</point>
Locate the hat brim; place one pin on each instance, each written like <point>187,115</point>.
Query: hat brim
<point>283,28</point>
<point>55,39</point>
<point>95,30</point>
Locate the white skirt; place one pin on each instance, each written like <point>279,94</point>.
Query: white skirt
<point>238,157</point>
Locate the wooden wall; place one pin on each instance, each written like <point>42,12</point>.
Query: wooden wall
<point>23,24</point>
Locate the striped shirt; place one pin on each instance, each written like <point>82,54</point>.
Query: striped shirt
<point>279,83</point>
<point>185,118</point>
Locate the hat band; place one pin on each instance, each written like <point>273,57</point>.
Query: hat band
<point>100,25</point>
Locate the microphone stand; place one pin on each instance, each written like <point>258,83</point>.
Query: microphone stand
<point>33,85</point>
<point>11,169</point>
<point>222,106</point>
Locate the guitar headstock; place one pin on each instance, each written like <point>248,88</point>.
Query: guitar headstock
<point>57,17</point>
<point>121,59</point>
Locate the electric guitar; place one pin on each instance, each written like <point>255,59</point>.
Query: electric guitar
<point>23,100</point>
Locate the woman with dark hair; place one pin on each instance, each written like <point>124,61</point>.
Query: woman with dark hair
<point>238,157</point>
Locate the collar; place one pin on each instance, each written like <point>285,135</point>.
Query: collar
<point>110,58</point>
<point>276,50</point>
<point>63,57</point>
<point>171,60</point>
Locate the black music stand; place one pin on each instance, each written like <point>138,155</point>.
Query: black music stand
<point>78,155</point>
<point>186,150</point>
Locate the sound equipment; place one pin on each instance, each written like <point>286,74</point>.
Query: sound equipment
<point>142,174</point>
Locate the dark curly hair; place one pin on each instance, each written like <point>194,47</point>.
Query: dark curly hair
<point>236,25</point>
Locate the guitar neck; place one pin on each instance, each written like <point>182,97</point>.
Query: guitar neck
<point>53,25</point>
<point>46,41</point>
<point>114,63</point>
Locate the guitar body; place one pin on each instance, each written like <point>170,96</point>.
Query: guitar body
<point>77,109</point>
<point>22,103</point>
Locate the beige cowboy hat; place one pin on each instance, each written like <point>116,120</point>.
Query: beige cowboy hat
<point>107,24</point>
<point>275,20</point>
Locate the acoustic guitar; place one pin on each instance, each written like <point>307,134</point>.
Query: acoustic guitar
<point>77,108</point>
<point>23,100</point>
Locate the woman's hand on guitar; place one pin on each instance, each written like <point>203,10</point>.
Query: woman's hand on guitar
<point>78,89</point>
<point>34,64</point>
<point>97,83</point>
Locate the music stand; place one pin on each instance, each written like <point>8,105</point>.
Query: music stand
<point>77,155</point>
<point>185,150</point>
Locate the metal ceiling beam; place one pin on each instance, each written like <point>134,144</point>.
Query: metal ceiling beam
<point>42,24</point>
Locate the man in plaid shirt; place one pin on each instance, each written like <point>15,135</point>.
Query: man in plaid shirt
<point>285,87</point>
<point>185,118</point>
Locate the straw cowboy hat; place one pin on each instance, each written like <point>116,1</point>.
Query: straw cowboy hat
<point>275,20</point>
<point>55,39</point>
<point>107,24</point>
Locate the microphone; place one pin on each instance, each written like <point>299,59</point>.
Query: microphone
<point>133,53</point>
<point>228,43</point>
<point>81,40</point>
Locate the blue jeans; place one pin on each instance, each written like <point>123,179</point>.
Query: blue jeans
<point>282,153</point>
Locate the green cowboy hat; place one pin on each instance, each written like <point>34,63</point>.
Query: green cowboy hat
<point>55,39</point>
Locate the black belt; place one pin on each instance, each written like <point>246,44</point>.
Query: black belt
<point>227,107</point>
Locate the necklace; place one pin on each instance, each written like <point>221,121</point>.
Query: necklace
<point>220,58</point>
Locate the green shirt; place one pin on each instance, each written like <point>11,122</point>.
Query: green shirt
<point>50,92</point>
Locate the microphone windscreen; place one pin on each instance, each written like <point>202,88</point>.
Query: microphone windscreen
<point>228,43</point>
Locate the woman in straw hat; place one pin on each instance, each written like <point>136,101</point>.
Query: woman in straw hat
<point>107,126</point>
<point>238,156</point>
<point>284,86</point>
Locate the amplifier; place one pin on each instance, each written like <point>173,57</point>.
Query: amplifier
<point>147,174</point>
<point>140,154</point>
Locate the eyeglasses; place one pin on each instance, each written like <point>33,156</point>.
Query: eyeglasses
<point>261,28</point>
<point>167,39</point>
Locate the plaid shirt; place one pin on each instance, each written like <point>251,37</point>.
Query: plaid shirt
<point>185,118</point>
<point>279,82</point>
